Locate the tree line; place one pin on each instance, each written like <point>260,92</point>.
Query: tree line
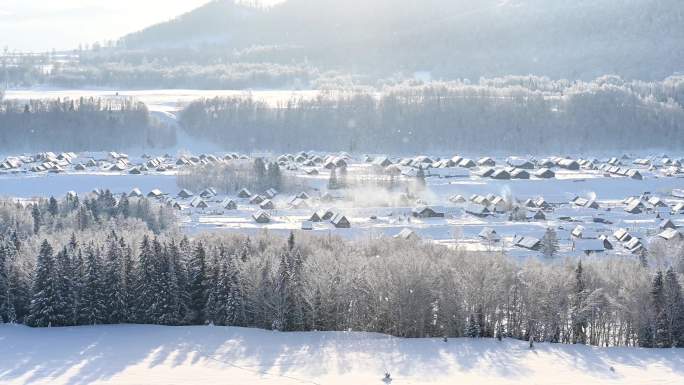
<point>79,125</point>
<point>523,114</point>
<point>255,175</point>
<point>124,274</point>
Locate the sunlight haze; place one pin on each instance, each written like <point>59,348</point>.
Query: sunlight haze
<point>41,25</point>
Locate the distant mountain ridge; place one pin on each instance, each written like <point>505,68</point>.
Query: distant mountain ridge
<point>449,39</point>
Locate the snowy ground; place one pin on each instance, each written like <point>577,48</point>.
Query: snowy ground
<point>220,355</point>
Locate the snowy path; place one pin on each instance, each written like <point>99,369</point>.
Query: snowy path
<point>134,354</point>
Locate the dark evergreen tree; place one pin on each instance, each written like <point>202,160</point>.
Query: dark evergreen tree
<point>93,309</point>
<point>78,291</point>
<point>5,296</point>
<point>145,282</point>
<point>46,302</point>
<point>260,173</point>
<point>124,207</point>
<point>674,308</point>
<point>37,218</point>
<point>661,330</point>
<point>197,285</point>
<point>578,318</point>
<point>211,306</point>
<point>128,277</point>
<point>168,289</point>
<point>472,329</point>
<point>53,207</point>
<point>114,290</point>
<point>65,277</point>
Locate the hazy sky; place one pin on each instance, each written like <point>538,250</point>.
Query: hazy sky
<point>40,25</point>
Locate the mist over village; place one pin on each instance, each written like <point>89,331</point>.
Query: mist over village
<point>341,192</point>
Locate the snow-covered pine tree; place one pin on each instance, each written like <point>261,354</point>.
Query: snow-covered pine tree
<point>180,289</point>
<point>280,304</point>
<point>213,272</point>
<point>128,277</point>
<point>227,293</point>
<point>64,279</point>
<point>78,288</point>
<point>168,292</point>
<point>113,282</point>
<point>262,308</point>
<point>578,319</point>
<point>17,293</point>
<point>549,244</point>
<point>235,302</point>
<point>298,305</point>
<point>674,308</point>
<point>472,328</point>
<point>661,331</point>
<point>92,309</point>
<point>37,218</point>
<point>197,285</point>
<point>145,282</point>
<point>4,280</point>
<point>245,250</point>
<point>44,307</point>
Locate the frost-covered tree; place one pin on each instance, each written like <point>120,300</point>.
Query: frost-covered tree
<point>549,243</point>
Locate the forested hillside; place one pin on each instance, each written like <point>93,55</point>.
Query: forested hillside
<point>449,39</point>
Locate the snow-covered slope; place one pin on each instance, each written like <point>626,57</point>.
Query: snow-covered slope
<point>132,354</point>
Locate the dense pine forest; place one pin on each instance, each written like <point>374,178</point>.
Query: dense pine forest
<point>110,260</point>
<point>514,114</point>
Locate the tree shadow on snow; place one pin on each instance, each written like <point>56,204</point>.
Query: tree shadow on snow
<point>83,355</point>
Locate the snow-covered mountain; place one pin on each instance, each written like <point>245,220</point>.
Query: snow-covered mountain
<point>446,38</point>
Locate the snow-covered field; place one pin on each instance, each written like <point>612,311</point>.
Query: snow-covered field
<point>132,354</point>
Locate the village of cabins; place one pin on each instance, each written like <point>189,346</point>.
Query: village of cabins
<point>618,205</point>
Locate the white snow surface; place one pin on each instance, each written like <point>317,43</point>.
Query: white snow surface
<point>135,354</point>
